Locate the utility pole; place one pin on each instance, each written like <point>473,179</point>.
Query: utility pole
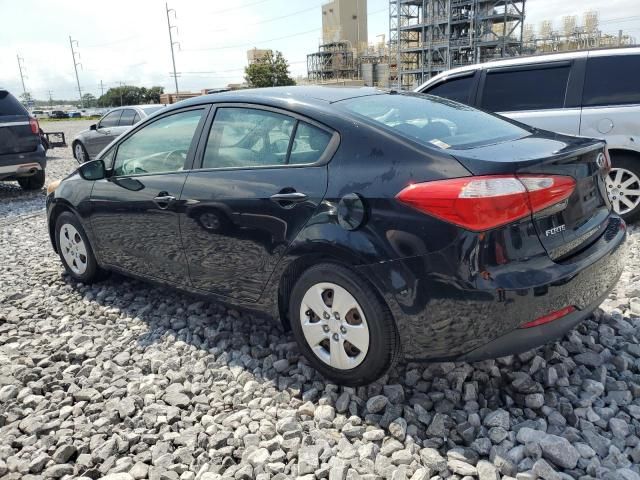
<point>75,67</point>
<point>20,67</point>
<point>172,43</point>
<point>121,89</point>
<point>102,90</point>
<point>50,99</point>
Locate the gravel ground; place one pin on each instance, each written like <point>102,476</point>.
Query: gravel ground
<point>129,381</point>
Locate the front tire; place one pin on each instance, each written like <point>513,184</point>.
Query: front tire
<point>341,326</point>
<point>75,251</point>
<point>32,182</point>
<point>623,186</point>
<point>80,153</point>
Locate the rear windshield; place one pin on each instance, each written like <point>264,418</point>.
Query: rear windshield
<point>9,105</point>
<point>434,121</point>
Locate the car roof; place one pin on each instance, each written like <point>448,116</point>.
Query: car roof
<point>532,59</point>
<point>313,94</point>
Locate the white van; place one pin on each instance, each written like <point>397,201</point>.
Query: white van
<point>590,93</point>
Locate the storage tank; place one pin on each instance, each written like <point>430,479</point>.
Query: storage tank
<point>366,73</point>
<point>381,75</point>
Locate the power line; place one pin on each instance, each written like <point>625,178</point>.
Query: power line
<point>75,67</point>
<point>253,43</point>
<point>293,14</point>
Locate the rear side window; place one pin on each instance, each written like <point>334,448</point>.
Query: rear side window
<point>527,89</point>
<point>248,137</point>
<point>9,105</point>
<point>127,118</point>
<point>434,121</point>
<point>309,144</point>
<point>612,81</point>
<point>457,89</point>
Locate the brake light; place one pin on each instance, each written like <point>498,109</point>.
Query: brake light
<point>550,318</point>
<point>35,128</point>
<point>486,202</point>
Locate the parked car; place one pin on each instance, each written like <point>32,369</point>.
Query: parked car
<point>38,114</point>
<point>59,114</point>
<point>88,143</point>
<point>594,94</point>
<point>22,156</point>
<point>74,114</point>
<point>369,222</point>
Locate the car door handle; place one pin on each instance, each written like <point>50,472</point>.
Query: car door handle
<point>163,200</point>
<point>288,198</point>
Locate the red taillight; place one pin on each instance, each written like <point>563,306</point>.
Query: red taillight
<point>486,202</point>
<point>550,318</point>
<point>35,128</point>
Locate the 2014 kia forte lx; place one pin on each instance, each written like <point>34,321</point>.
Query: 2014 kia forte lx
<point>372,223</point>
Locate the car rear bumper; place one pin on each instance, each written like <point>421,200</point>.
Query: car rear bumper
<point>475,316</point>
<point>17,165</point>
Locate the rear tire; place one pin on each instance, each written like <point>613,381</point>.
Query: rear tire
<point>625,173</point>
<point>33,182</point>
<point>324,337</point>
<point>80,153</point>
<point>75,250</point>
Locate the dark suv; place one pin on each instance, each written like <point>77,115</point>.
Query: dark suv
<point>22,155</point>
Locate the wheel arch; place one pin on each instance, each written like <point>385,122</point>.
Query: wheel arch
<point>294,270</point>
<point>624,152</point>
<point>56,210</point>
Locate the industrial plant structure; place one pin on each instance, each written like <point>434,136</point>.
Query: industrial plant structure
<point>572,36</point>
<point>430,36</point>
<point>344,38</point>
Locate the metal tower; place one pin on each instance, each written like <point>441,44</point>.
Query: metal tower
<point>430,36</point>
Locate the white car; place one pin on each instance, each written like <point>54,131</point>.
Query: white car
<point>590,93</point>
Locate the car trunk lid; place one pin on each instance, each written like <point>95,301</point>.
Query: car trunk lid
<point>569,226</point>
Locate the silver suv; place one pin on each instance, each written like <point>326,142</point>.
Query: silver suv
<point>591,93</point>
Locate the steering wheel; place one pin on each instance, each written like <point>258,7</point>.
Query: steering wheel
<point>175,159</point>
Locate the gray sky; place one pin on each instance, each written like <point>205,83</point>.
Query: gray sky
<point>127,41</point>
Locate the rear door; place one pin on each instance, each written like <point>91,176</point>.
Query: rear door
<point>539,95</point>
<point>261,176</point>
<point>16,135</point>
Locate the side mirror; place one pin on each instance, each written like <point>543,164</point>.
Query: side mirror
<point>93,127</point>
<point>94,170</point>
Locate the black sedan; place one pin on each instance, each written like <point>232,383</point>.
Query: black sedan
<point>371,223</point>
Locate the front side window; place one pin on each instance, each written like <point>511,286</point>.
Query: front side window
<point>434,121</point>
<point>161,146</point>
<point>111,119</point>
<point>127,118</point>
<point>612,81</point>
<point>456,89</point>
<point>527,89</point>
<point>247,137</point>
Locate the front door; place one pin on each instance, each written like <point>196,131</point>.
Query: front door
<point>262,176</point>
<point>100,137</point>
<point>134,211</point>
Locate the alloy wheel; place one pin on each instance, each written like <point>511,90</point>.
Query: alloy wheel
<point>623,188</point>
<point>80,153</point>
<point>334,326</point>
<point>73,249</point>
